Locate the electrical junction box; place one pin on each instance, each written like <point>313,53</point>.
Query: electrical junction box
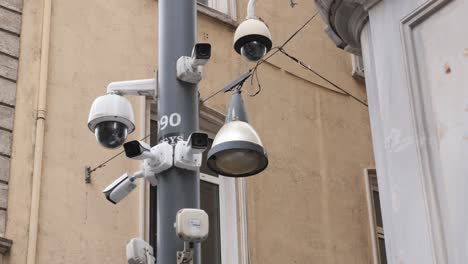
<point>192,225</point>
<point>139,252</point>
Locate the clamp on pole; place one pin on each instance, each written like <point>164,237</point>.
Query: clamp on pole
<point>185,256</point>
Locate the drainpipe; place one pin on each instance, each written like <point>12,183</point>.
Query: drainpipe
<point>251,9</point>
<point>39,140</point>
<point>142,193</point>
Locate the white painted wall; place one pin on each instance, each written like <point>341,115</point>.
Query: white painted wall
<point>416,60</point>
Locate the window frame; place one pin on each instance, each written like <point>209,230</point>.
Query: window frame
<point>216,5</point>
<point>214,8</point>
<point>376,232</point>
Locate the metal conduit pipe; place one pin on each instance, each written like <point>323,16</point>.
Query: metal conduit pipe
<point>251,9</point>
<point>39,139</point>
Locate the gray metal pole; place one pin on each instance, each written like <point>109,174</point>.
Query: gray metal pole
<point>178,118</point>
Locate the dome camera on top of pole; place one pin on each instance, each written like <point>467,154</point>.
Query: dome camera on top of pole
<point>252,38</point>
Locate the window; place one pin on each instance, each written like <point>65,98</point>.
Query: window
<point>375,216</point>
<point>226,7</point>
<point>218,197</point>
<point>209,201</point>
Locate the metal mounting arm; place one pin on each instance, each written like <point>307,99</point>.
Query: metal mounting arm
<point>146,87</point>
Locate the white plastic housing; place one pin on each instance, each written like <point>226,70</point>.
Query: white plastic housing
<point>188,69</point>
<point>252,30</point>
<point>186,157</point>
<point>146,87</point>
<point>192,225</point>
<point>139,252</point>
<point>111,107</point>
<point>237,131</point>
<point>119,189</point>
<point>162,160</point>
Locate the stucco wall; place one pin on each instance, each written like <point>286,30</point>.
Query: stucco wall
<point>309,206</point>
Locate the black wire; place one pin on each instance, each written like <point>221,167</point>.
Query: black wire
<point>272,52</point>
<point>116,155</point>
<point>226,89</point>
<point>258,85</point>
<point>299,30</point>
<point>213,95</point>
<point>277,49</point>
<point>307,67</point>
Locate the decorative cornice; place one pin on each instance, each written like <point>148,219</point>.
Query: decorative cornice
<point>345,20</point>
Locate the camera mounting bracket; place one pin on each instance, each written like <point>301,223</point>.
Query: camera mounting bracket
<point>185,256</point>
<point>145,87</point>
<point>163,159</point>
<point>187,71</point>
<point>185,157</point>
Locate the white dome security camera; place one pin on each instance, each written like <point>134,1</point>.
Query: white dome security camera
<point>252,39</point>
<point>111,119</point>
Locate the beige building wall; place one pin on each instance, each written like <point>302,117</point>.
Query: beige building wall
<point>309,205</point>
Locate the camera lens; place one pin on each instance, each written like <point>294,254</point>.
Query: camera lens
<point>132,149</point>
<point>253,50</point>
<point>199,140</point>
<point>204,51</point>
<point>111,134</point>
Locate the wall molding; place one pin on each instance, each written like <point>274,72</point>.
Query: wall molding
<point>425,128</point>
<point>345,20</point>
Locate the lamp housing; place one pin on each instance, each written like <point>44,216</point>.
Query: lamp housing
<point>237,151</point>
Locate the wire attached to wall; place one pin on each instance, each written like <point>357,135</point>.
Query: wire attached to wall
<point>275,50</point>
<point>89,170</point>
<point>307,67</point>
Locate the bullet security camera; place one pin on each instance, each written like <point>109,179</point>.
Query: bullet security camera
<point>201,54</point>
<point>198,141</point>
<point>190,69</point>
<point>252,39</point>
<point>188,154</point>
<point>111,119</point>
<point>138,150</point>
<point>192,225</point>
<point>119,189</point>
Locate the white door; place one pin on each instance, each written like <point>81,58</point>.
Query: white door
<point>416,60</point>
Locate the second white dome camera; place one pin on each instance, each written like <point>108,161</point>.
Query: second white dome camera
<point>252,39</point>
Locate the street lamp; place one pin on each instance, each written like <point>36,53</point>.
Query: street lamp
<point>237,150</point>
